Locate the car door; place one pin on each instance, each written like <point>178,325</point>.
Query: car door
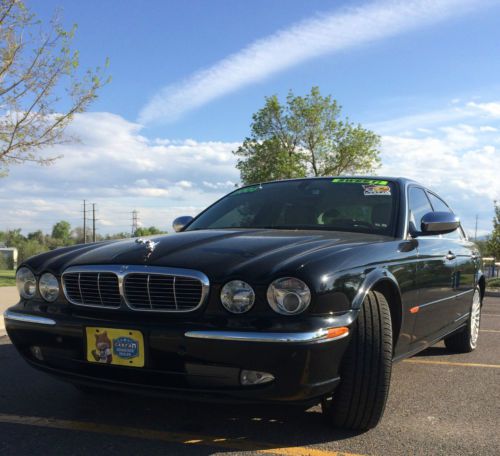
<point>465,275</point>
<point>435,272</point>
<point>465,264</point>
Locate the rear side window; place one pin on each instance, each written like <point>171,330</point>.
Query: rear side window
<point>419,206</point>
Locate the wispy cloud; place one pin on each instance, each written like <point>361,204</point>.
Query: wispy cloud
<point>456,112</point>
<point>314,37</point>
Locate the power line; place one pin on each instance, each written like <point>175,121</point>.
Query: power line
<point>135,221</point>
<point>93,222</point>
<point>84,222</point>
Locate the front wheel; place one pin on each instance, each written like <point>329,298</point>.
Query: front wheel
<point>359,401</point>
<point>466,339</point>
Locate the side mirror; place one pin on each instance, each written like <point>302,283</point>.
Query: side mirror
<point>181,222</point>
<point>439,223</point>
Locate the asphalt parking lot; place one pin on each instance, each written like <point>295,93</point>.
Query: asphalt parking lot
<point>439,404</point>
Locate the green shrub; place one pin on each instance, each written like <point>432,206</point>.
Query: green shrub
<point>493,282</point>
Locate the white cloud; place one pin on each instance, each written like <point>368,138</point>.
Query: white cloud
<point>458,162</point>
<point>311,38</point>
<point>456,115</point>
<point>120,170</point>
<point>491,109</point>
<point>488,128</point>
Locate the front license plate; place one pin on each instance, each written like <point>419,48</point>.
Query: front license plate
<point>121,347</point>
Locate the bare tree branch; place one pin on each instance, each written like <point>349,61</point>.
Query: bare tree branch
<point>36,63</point>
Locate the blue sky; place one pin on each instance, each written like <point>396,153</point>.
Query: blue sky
<point>427,81</point>
<point>166,41</point>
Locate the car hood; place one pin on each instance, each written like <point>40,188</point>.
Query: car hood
<point>220,254</point>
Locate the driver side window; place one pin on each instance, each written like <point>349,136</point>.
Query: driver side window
<point>419,205</point>
<point>440,206</point>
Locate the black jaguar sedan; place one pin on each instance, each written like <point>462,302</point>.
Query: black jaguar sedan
<point>301,291</point>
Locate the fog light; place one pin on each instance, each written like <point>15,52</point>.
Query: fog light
<point>36,351</point>
<point>249,377</point>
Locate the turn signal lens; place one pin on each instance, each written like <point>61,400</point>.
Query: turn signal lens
<point>335,333</point>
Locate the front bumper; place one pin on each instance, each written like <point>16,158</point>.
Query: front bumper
<point>185,360</point>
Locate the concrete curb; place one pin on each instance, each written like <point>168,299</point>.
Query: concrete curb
<point>493,293</point>
<point>2,327</point>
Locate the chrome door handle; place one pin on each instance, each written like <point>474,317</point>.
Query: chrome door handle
<point>450,256</point>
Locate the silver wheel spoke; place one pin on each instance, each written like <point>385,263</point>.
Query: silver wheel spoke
<point>475,318</point>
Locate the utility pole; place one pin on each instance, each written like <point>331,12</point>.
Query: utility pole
<point>93,222</point>
<point>475,232</point>
<point>135,221</point>
<point>84,222</point>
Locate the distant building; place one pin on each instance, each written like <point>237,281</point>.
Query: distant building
<point>8,257</point>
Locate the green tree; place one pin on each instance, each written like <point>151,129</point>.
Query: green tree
<point>37,236</point>
<point>493,243</point>
<point>61,230</point>
<point>151,231</point>
<point>29,248</point>
<point>111,237</point>
<point>37,65</point>
<point>266,160</point>
<point>305,137</point>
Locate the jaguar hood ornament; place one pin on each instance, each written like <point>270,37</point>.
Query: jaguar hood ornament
<point>149,244</point>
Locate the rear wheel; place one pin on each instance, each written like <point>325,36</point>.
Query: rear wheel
<point>466,339</point>
<point>359,401</point>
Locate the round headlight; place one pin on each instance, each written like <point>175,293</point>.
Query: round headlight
<point>288,296</point>
<point>237,296</point>
<point>26,283</point>
<point>49,287</point>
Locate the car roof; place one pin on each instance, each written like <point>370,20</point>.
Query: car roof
<point>403,181</point>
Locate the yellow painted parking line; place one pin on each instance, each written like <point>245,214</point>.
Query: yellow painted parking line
<point>490,315</point>
<point>234,443</point>
<point>450,363</point>
<point>490,330</point>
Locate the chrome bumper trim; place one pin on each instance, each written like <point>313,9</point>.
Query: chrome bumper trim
<point>9,315</point>
<point>311,336</point>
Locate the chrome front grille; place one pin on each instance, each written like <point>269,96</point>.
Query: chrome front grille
<point>143,288</point>
<point>95,289</point>
<point>162,292</point>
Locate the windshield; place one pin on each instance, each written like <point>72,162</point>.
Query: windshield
<point>341,204</point>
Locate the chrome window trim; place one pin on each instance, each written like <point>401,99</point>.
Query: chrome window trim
<point>319,335</point>
<point>25,318</point>
<point>122,271</point>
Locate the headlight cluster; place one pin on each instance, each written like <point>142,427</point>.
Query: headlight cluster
<point>48,285</point>
<point>26,283</point>
<point>237,296</point>
<point>286,296</point>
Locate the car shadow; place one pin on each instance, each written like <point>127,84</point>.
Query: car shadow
<point>434,351</point>
<point>250,427</point>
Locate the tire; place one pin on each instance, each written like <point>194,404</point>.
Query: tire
<point>359,401</point>
<point>465,340</point>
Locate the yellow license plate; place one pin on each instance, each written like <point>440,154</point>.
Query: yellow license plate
<point>121,347</point>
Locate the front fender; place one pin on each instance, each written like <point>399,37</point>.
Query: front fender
<point>373,278</point>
